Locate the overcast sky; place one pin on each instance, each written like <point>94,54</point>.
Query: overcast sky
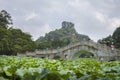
<point>95,18</point>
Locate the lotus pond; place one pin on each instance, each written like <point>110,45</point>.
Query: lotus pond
<point>28,68</point>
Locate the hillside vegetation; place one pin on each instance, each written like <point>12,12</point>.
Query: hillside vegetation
<point>113,39</point>
<point>61,37</point>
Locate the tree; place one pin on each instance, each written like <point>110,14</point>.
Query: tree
<point>116,37</point>
<point>22,41</point>
<point>13,41</point>
<point>5,19</point>
<point>5,41</point>
<point>108,40</point>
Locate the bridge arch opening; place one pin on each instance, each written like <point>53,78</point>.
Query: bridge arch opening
<point>83,54</point>
<point>57,57</point>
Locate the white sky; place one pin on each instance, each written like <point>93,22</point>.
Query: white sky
<point>95,18</point>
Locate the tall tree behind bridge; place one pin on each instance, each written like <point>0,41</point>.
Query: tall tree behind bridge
<point>116,37</point>
<point>5,19</point>
<point>108,40</point>
<point>113,39</point>
<point>13,40</point>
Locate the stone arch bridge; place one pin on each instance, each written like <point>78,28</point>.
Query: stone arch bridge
<point>99,51</point>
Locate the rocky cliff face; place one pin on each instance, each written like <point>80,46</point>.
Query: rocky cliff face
<point>62,37</point>
<point>67,25</point>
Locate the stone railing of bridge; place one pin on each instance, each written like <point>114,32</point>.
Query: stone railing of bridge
<point>68,51</point>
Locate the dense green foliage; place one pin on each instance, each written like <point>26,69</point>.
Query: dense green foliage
<point>116,37</point>
<point>13,40</point>
<point>83,54</point>
<point>26,68</point>
<point>112,39</point>
<point>5,19</point>
<point>60,37</point>
<point>108,40</point>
